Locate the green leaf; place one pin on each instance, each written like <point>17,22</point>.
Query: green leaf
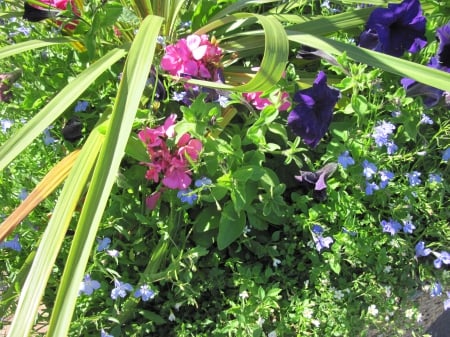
<point>132,84</point>
<point>34,128</point>
<point>426,75</point>
<point>231,226</point>
<point>18,48</point>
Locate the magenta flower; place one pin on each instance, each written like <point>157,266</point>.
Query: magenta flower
<point>396,29</point>
<point>260,103</point>
<point>195,56</point>
<point>311,118</point>
<point>169,165</point>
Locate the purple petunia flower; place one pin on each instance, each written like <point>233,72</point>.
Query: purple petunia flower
<point>317,180</point>
<point>144,292</point>
<point>311,117</point>
<point>120,289</point>
<point>396,29</point>
<point>442,258</point>
<point>421,250</point>
<point>88,285</point>
<point>431,96</point>
<point>345,159</point>
<point>392,227</point>
<point>436,289</point>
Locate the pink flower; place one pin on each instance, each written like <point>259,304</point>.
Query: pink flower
<point>152,200</point>
<point>261,102</point>
<point>194,56</point>
<point>170,165</point>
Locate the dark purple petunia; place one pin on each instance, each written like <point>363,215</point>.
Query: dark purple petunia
<point>317,180</point>
<point>395,29</point>
<point>441,61</point>
<point>311,117</point>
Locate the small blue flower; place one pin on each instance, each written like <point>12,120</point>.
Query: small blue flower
<point>5,124</point>
<point>187,196</point>
<point>381,132</point>
<point>408,227</point>
<point>103,244</point>
<point>23,194</point>
<point>436,289</point>
<point>421,250</point>
<point>105,334</point>
<point>88,285</point>
<point>426,120</point>
<point>81,106</point>
<point>223,101</point>
<point>392,227</point>
<point>446,154</point>
<point>371,187</point>
<point>317,229</point>
<point>161,40</point>
<point>13,244</point>
<point>391,147</point>
<point>120,289</point>
<point>179,96</point>
<point>442,258</point>
<point>434,178</point>
<point>204,181</point>
<point>369,169</point>
<point>385,177</point>
<point>345,159</point>
<point>414,178</point>
<point>48,139</point>
<point>322,242</point>
<point>144,292</point>
<point>447,301</point>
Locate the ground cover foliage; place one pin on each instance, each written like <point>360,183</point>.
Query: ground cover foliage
<point>232,168</point>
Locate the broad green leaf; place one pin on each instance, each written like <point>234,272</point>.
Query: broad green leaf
<point>426,75</point>
<point>231,226</point>
<point>32,44</point>
<point>34,128</point>
<point>132,84</point>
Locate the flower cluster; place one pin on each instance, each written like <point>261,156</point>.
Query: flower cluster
<point>195,56</point>
<point>396,29</point>
<point>172,165</point>
<point>382,133</point>
<point>311,117</point>
<point>370,171</point>
<point>393,227</point>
